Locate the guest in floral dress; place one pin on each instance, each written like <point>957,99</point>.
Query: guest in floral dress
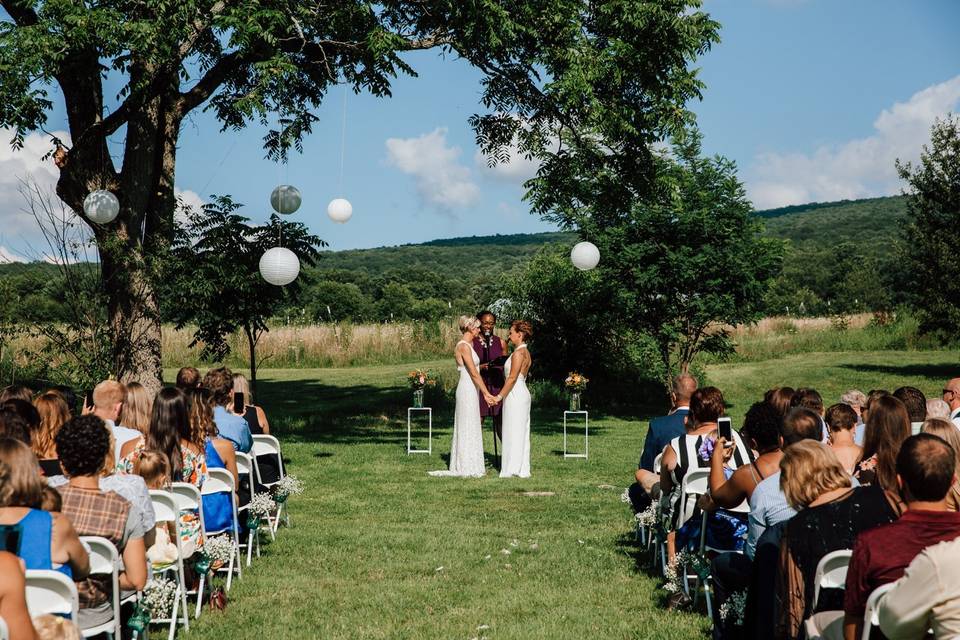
<point>170,433</point>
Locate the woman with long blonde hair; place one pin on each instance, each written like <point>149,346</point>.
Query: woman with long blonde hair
<point>137,408</point>
<point>253,414</point>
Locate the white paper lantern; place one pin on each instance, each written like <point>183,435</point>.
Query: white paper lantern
<point>339,210</point>
<point>101,206</point>
<point>585,256</point>
<point>279,266</point>
<point>285,199</point>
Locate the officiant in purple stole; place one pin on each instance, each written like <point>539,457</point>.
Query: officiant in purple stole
<point>491,350</point>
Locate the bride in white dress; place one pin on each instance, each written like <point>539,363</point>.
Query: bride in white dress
<point>516,405</point>
<point>466,450</point>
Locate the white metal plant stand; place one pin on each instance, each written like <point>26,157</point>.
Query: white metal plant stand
<point>429,412</point>
<point>586,434</point>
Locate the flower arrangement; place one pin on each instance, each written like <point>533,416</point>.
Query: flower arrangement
<point>625,496</point>
<point>218,549</point>
<point>675,574</point>
<point>649,518</point>
<point>420,379</point>
<point>576,382</point>
<point>288,486</point>
<point>735,607</point>
<point>260,507</point>
<point>159,596</point>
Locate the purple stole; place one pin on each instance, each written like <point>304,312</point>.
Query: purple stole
<point>492,377</point>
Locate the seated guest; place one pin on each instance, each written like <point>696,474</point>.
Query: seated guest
<point>137,408</point>
<point>763,427</point>
<point>13,426</point>
<point>47,540</point>
<point>13,598</point>
<point>219,382</point>
<point>925,471</point>
<point>16,391</point>
<point>171,434</point>
<point>937,408</point>
<point>108,399</point>
<point>659,434</point>
<point>872,395</point>
<point>946,431</point>
<point>27,411</point>
<point>83,446</point>
<point>888,425</point>
<point>153,467</point>
<point>926,597</point>
<point>916,404</point>
<point>188,378</point>
<point>830,515</point>
<point>842,419</point>
<point>856,399</point>
<point>217,510</point>
<point>951,395</point>
<point>54,413</point>
<point>780,398</point>
<point>255,416</point>
<point>683,454</point>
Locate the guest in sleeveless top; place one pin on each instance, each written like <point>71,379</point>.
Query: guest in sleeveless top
<point>762,426</point>
<point>684,453</point>
<point>46,540</point>
<point>888,425</point>
<point>84,446</point>
<point>54,413</point>
<point>220,454</point>
<point>254,415</point>
<point>830,516</point>
<point>13,604</point>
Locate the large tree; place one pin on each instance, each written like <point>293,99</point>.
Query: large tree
<point>931,227</point>
<point>583,85</point>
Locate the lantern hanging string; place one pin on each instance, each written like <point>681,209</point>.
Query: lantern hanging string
<point>343,139</point>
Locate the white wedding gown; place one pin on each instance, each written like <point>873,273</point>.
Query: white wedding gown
<point>466,450</point>
<point>516,428</point>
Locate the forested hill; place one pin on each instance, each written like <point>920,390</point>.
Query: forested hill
<point>837,252</point>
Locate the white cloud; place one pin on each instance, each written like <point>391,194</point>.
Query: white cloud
<point>517,169</point>
<point>442,181</point>
<point>18,167</point>
<point>6,256</point>
<point>187,198</point>
<point>859,168</point>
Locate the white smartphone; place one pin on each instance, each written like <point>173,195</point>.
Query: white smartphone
<point>725,430</point>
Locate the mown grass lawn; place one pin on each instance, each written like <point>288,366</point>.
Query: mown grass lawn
<point>378,549</point>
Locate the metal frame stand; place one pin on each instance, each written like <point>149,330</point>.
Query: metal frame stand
<point>429,411</point>
<point>586,435</point>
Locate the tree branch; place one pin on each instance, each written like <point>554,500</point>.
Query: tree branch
<point>24,16</point>
<point>212,79</point>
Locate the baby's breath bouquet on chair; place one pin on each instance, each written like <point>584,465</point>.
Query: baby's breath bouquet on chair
<point>156,604</point>
<point>288,486</point>
<point>260,507</point>
<point>218,549</point>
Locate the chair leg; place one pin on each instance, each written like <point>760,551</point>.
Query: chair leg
<point>706,595</point>
<point>203,578</point>
<point>249,547</point>
<point>230,571</point>
<point>173,616</point>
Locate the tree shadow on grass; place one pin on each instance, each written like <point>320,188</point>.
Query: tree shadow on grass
<point>934,371</point>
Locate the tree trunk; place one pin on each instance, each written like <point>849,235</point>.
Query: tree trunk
<point>252,343</point>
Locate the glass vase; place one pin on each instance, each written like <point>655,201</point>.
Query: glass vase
<point>418,398</point>
<point>574,401</point>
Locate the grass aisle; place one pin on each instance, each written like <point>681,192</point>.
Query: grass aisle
<point>380,550</point>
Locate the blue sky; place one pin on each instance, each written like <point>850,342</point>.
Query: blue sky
<point>812,98</point>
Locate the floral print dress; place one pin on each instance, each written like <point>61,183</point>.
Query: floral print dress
<point>194,471</point>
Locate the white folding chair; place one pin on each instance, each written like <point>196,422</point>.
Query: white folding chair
<point>245,467</point>
<point>189,500</point>
<point>267,445</point>
<point>51,592</point>
<point>870,616</point>
<point>221,481</point>
<point>105,560</point>
<point>167,509</point>
<point>4,632</point>
<point>831,573</point>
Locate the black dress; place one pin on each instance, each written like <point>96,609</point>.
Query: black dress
<point>268,463</point>
<point>812,534</point>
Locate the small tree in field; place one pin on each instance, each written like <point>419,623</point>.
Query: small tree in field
<point>213,277</point>
<point>931,229</point>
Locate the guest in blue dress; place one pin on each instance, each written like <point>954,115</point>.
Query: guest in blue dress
<point>220,454</point>
<point>43,540</point>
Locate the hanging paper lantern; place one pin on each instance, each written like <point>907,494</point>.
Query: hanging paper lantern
<point>285,199</point>
<point>279,266</point>
<point>585,256</point>
<point>101,206</point>
<point>339,210</point>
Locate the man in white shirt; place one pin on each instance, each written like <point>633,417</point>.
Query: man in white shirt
<point>951,395</point>
<point>108,399</point>
<point>926,597</point>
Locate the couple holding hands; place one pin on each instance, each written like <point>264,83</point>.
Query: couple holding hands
<point>479,355</point>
